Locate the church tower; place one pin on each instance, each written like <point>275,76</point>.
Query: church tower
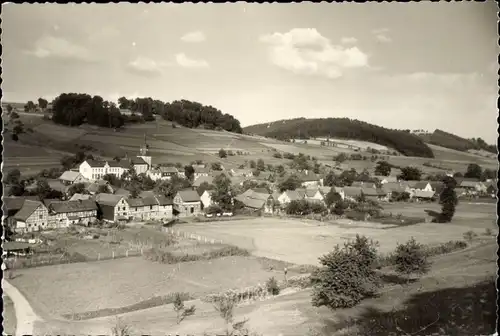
<point>144,152</point>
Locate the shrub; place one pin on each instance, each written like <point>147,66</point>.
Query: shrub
<point>181,311</point>
<point>470,235</point>
<point>410,258</point>
<point>347,276</point>
<point>272,286</point>
<point>488,232</point>
<point>120,328</point>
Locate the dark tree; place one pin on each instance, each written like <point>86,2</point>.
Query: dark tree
<point>332,197</point>
<point>383,168</point>
<point>410,174</point>
<point>261,166</point>
<point>448,200</point>
<point>42,103</point>
<point>13,177</point>
<point>291,183</point>
<point>189,172</point>
<point>474,171</point>
<point>222,153</point>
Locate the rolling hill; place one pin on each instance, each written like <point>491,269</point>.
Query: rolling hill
<point>452,141</point>
<point>404,142</point>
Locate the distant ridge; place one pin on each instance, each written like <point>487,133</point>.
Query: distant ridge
<point>452,141</point>
<point>404,142</point>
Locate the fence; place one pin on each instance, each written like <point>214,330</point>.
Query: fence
<point>186,235</point>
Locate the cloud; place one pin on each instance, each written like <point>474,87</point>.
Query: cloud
<point>186,62</point>
<point>59,48</point>
<point>194,37</point>
<point>146,67</point>
<point>381,35</point>
<point>306,51</point>
<point>349,40</point>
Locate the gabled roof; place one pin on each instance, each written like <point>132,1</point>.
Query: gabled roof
<point>189,195</point>
<point>423,194</point>
<point>362,184</point>
<point>172,170</point>
<point>73,206</point>
<point>469,184</point>
<point>58,185</point>
<point>352,191</point>
<point>163,200</point>
<point>125,164</point>
<point>27,209</point>
<point>47,202</point>
<point>108,199</point>
<point>294,195</point>
<point>12,204</point>
<point>146,193</point>
<point>96,163</point>
<point>138,161</point>
<point>69,175</point>
<point>311,192</point>
<point>78,196</point>
<point>308,177</point>
<point>200,180</point>
<point>387,178</point>
<point>421,184</point>
<point>201,170</point>
<point>260,191</point>
<point>121,191</point>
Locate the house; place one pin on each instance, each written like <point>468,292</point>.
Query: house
<point>78,196</point>
<point>123,192</point>
<point>59,186</point>
<point>288,196</point>
<point>15,248</point>
<point>419,185</point>
<point>257,200</point>
<point>165,207</point>
<point>424,195</point>
<point>65,213</point>
<point>10,206</point>
<point>386,179</point>
<point>168,172</point>
<point>117,168</point>
<point>313,195</point>
<point>361,184</point>
<point>391,188</point>
<point>94,187</point>
<point>72,177</point>
<point>126,112</point>
<point>112,208</point>
<point>200,171</point>
<point>375,194</point>
<point>93,169</point>
<point>265,176</point>
<point>352,193</point>
<point>241,172</point>
<point>473,186</point>
<point>140,165</point>
<point>310,179</point>
<point>492,189</point>
<point>206,199</point>
<point>202,179</point>
<point>143,208</point>
<point>154,174</point>
<point>338,190</point>
<point>187,203</point>
<point>33,216</point>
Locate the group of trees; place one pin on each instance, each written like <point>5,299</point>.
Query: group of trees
<point>347,177</point>
<point>348,274</point>
<point>476,171</point>
<point>405,143</point>
<point>452,141</point>
<point>75,109</point>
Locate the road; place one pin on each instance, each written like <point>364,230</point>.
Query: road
<point>25,316</point>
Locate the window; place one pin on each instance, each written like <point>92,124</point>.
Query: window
<point>150,207</point>
<point>192,209</point>
<point>41,216</point>
<point>123,208</point>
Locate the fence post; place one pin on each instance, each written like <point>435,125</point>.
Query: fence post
<point>98,256</point>
<point>141,251</point>
<point>126,253</point>
<point>113,255</point>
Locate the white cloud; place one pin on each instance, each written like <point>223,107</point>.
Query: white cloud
<point>306,51</point>
<point>383,38</point>
<point>55,47</point>
<point>146,66</point>
<point>186,62</point>
<point>194,37</point>
<point>349,40</point>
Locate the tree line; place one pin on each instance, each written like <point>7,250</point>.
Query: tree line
<point>406,143</point>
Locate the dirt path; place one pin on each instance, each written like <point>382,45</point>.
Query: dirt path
<point>25,316</point>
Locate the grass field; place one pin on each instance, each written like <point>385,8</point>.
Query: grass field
<point>279,239</point>
<point>80,287</point>
<point>9,316</point>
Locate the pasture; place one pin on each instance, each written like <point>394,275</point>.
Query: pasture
<point>82,287</point>
<point>9,316</point>
<point>279,238</point>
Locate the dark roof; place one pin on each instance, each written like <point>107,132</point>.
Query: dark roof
<point>261,191</point>
<point>69,175</point>
<point>352,191</point>
<point>58,185</point>
<point>138,161</point>
<point>12,203</point>
<point>121,191</point>
<point>189,195</point>
<point>140,202</point>
<point>209,179</point>
<point>308,177</point>
<point>168,169</point>
<point>147,193</point>
<point>163,200</point>
<point>120,164</point>
<point>48,201</point>
<point>27,210</point>
<point>73,206</point>
<point>14,246</point>
<point>96,163</point>
<point>108,199</point>
<point>362,184</point>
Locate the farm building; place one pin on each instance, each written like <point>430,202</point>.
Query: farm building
<point>112,208</point>
<point>424,195</point>
<point>257,200</point>
<point>200,171</point>
<point>187,203</point>
<point>122,192</point>
<point>71,177</point>
<point>14,248</point>
<point>473,186</point>
<point>418,185</point>
<point>143,208</point>
<point>361,184</point>
<point>165,207</point>
<point>33,216</point>
<point>94,187</point>
<point>338,190</point>
<point>375,194</point>
<point>202,179</point>
<point>241,172</point>
<point>10,206</point>
<point>310,179</point>
<point>78,196</point>
<point>396,188</point>
<point>351,193</point>
<point>64,213</point>
<point>386,179</point>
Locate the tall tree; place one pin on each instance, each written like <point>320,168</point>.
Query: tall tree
<point>448,200</point>
<point>410,174</point>
<point>473,171</point>
<point>383,168</point>
<point>42,103</point>
<point>222,192</point>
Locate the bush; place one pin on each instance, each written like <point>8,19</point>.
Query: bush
<point>488,232</point>
<point>347,276</point>
<point>272,286</point>
<point>181,311</point>
<point>166,257</point>
<point>470,235</point>
<point>410,258</point>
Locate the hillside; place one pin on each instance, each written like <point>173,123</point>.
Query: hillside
<point>452,141</point>
<point>405,143</point>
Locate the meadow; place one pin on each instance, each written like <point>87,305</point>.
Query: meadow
<point>279,238</point>
<point>9,316</point>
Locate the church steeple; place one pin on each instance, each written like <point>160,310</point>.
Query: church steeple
<point>144,147</point>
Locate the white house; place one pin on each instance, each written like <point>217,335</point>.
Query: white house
<point>112,207</point>
<point>33,216</point>
<point>206,199</point>
<point>199,172</point>
<point>187,203</point>
<point>72,177</point>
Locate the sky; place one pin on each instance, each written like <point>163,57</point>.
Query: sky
<point>398,65</point>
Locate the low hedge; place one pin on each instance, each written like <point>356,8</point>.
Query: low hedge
<point>166,257</point>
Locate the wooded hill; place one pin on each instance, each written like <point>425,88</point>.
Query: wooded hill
<point>452,141</point>
<point>404,142</point>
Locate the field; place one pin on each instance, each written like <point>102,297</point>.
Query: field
<point>279,239</point>
<point>80,287</point>
<point>9,316</point>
